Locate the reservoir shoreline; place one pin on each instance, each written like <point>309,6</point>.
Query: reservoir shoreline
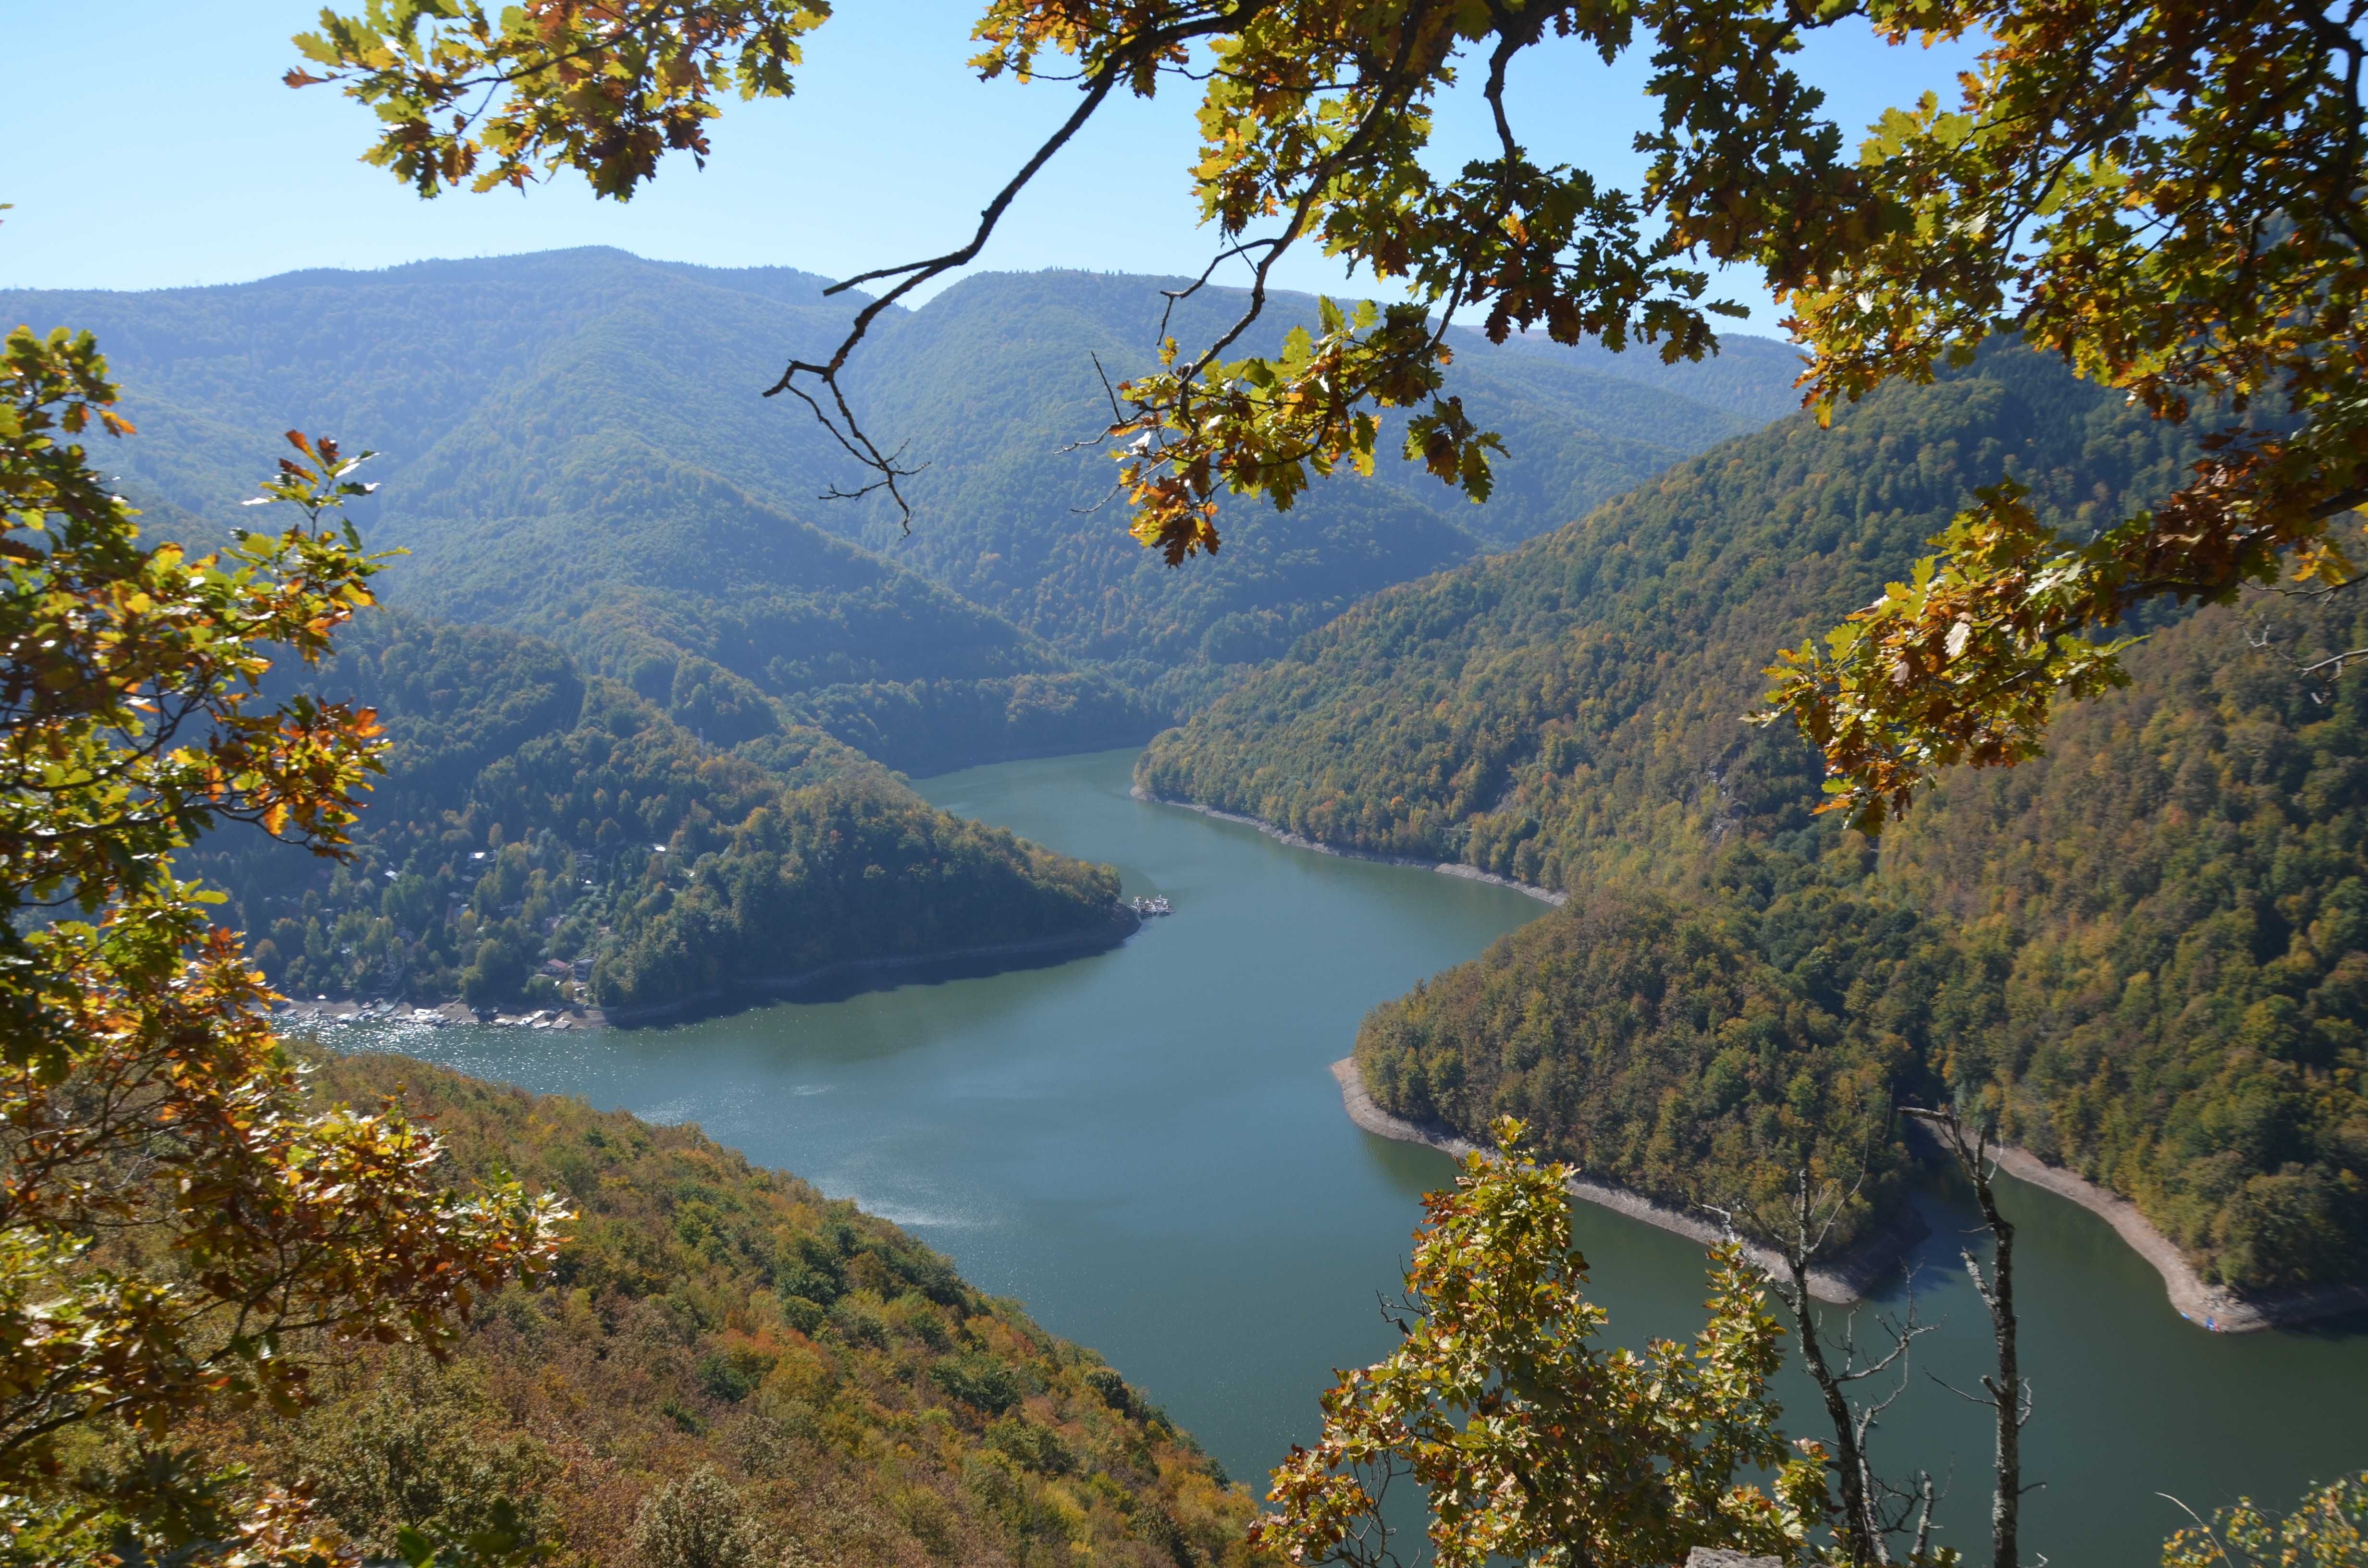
<point>1849,1279</point>
<point>1299,841</point>
<point>1124,924</point>
<point>2215,1308</point>
<point>2212,1307</point>
<point>2208,1306</point>
<point>1147,1148</point>
<point>757,992</point>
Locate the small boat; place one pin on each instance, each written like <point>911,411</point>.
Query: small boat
<point>1148,907</point>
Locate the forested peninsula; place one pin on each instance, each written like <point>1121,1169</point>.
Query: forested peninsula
<point>720,1346</point>
<point>536,827</point>
<point>2144,943</point>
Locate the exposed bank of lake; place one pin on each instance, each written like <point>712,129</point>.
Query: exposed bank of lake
<point>2218,1308</point>
<point>1866,1269</point>
<point>1122,923</point>
<point>1300,841</point>
<point>1847,1279</point>
<point>1877,1258</point>
<point>1147,1147</point>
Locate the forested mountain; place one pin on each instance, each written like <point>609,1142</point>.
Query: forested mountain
<point>738,617</point>
<point>2161,934</point>
<point>533,817</point>
<point>994,378</point>
<point>573,415</point>
<point>722,1353</point>
<point>671,780</point>
<point>2142,945</point>
<point>556,431</point>
<point>1574,706</point>
<point>399,360</point>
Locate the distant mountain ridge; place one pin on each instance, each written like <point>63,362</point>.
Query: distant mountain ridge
<point>1751,378</point>
<point>495,387</point>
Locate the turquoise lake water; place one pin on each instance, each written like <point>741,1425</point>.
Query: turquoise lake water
<point>1146,1148</point>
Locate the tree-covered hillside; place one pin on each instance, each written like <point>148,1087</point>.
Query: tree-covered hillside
<point>1574,708</point>
<point>2148,950</point>
<point>556,432</point>
<point>726,1367</point>
<point>2140,946</point>
<point>508,394</point>
<point>996,376</point>
<point>1699,1050</point>
<point>399,360</point>
<point>2160,941</point>
<point>738,617</point>
<point>533,818</point>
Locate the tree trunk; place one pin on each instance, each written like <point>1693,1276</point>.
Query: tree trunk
<point>1859,1536</point>
<point>2006,1388</point>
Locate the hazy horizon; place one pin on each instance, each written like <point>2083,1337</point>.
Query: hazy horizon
<point>970,275</point>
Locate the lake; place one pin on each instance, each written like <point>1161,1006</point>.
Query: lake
<point>1146,1148</point>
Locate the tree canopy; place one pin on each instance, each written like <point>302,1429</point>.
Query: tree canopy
<point>180,1231</point>
<point>2168,198</point>
<point>1530,1442</point>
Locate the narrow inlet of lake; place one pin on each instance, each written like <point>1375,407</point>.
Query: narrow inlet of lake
<point>1146,1148</point>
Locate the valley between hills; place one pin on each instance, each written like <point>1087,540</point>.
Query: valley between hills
<point>663,731</point>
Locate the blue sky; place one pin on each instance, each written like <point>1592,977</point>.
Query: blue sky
<point>163,152</point>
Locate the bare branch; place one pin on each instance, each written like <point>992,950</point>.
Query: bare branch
<point>839,418</point>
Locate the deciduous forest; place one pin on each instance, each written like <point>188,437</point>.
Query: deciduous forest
<point>722,1353</point>
<point>1901,775</point>
<point>535,825</point>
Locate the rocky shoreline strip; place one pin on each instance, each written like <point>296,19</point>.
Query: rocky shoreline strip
<point>1299,841</point>
<point>2214,1307</point>
<point>1847,1280</point>
<point>353,1010</point>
